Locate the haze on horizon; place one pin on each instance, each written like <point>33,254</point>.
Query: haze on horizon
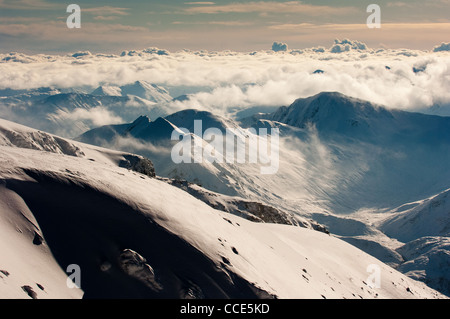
<point>39,26</point>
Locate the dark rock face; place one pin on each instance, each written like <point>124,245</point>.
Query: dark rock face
<point>138,164</point>
<point>250,210</point>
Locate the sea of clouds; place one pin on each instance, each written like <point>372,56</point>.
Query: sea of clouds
<point>229,82</point>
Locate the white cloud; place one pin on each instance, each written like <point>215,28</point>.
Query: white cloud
<point>106,10</point>
<point>204,3</point>
<point>75,122</point>
<point>271,7</point>
<point>230,81</point>
<point>26,4</point>
<point>347,45</point>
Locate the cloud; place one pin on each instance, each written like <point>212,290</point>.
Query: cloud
<point>22,19</point>
<point>106,18</point>
<point>390,27</point>
<point>106,13</point>
<point>75,122</point>
<point>98,116</point>
<point>205,3</point>
<point>110,36</point>
<point>27,4</point>
<point>442,47</point>
<point>41,36</point>
<point>397,4</point>
<point>279,46</point>
<point>228,82</point>
<point>271,7</point>
<point>347,45</point>
<point>106,10</point>
<point>222,23</point>
<point>133,145</point>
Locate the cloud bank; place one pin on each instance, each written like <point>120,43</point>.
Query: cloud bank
<point>228,81</point>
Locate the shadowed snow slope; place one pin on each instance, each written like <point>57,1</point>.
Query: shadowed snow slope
<point>134,237</point>
<point>336,152</point>
<point>338,156</point>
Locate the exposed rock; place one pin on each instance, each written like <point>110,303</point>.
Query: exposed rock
<point>138,164</point>
<point>250,210</point>
<point>137,267</point>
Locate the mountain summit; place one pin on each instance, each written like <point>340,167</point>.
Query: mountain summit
<point>147,91</point>
<point>143,89</point>
<point>334,114</point>
<point>332,111</point>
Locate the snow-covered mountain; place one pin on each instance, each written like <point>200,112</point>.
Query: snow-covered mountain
<point>362,155</point>
<point>136,236</point>
<point>153,139</point>
<point>143,89</point>
<point>28,95</point>
<point>72,112</point>
<point>333,113</point>
<point>430,216</point>
<point>107,90</point>
<point>344,163</point>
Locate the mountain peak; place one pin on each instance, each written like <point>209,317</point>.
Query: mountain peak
<point>186,119</point>
<point>138,125</point>
<point>141,89</point>
<point>146,90</point>
<point>332,111</point>
<point>143,119</point>
<point>107,90</point>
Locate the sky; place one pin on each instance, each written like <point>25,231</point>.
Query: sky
<point>39,26</point>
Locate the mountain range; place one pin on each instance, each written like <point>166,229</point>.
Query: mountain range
<point>357,184</point>
<point>345,163</point>
<point>79,212</point>
<point>70,112</point>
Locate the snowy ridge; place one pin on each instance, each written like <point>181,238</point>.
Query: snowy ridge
<point>70,112</point>
<point>148,91</point>
<point>339,157</point>
<point>141,89</point>
<point>153,140</point>
<point>427,259</point>
<point>429,217</point>
<point>253,211</point>
<point>425,229</point>
<point>331,110</point>
<point>249,259</point>
<point>19,136</point>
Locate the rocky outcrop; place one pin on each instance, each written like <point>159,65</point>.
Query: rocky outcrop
<point>250,210</point>
<point>138,164</point>
<point>137,267</point>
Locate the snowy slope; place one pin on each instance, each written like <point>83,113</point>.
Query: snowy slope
<point>71,112</point>
<point>107,90</point>
<point>148,91</point>
<point>429,217</point>
<point>153,139</point>
<point>428,259</point>
<point>424,227</point>
<point>337,154</point>
<point>373,157</point>
<point>27,266</point>
<point>332,111</point>
<point>339,157</point>
<point>103,218</point>
<point>142,89</point>
<point>19,136</point>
